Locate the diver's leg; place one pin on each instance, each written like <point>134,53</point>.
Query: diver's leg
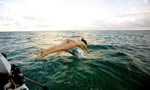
<point>62,47</point>
<point>65,47</point>
<point>58,49</point>
<point>44,53</point>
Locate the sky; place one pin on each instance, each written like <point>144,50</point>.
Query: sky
<point>39,15</point>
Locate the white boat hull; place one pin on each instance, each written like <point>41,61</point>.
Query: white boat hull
<point>5,68</point>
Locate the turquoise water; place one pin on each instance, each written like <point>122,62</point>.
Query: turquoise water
<point>119,60</point>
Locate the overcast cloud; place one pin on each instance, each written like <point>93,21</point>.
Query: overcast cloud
<point>74,15</point>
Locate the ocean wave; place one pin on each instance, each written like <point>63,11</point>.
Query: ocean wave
<point>119,63</point>
<point>70,72</point>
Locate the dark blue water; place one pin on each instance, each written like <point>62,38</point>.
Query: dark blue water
<point>118,60</point>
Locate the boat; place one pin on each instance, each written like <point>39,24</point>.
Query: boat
<point>8,75</point>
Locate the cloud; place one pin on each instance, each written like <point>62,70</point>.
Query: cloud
<point>134,19</point>
<point>72,15</point>
<point>146,1</point>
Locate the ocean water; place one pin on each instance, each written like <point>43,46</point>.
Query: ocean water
<point>118,60</point>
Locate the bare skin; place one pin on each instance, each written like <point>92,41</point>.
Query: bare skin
<point>64,46</point>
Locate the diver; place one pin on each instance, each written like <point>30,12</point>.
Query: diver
<point>68,45</point>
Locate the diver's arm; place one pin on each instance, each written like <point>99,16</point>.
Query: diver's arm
<point>84,48</point>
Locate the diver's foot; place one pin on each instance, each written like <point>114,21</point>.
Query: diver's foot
<point>40,55</point>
